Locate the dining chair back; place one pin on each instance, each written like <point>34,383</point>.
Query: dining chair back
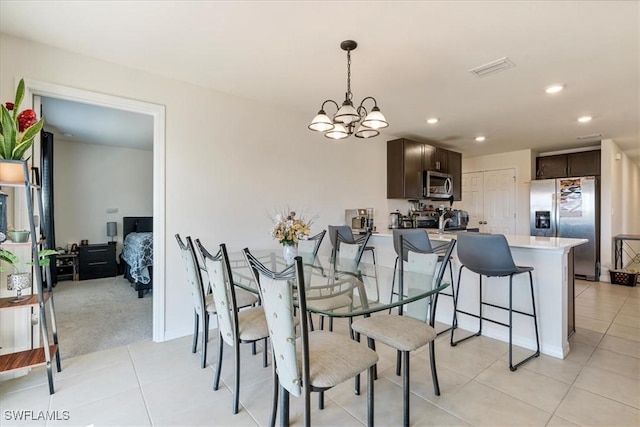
<point>194,281</point>
<point>235,327</point>
<point>406,333</point>
<point>311,245</point>
<point>418,240</point>
<point>304,364</point>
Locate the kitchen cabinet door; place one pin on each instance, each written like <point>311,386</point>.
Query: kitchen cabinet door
<point>435,158</point>
<point>585,163</point>
<point>404,169</point>
<point>551,166</point>
<point>454,167</point>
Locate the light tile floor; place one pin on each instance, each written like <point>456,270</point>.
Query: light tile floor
<point>145,383</point>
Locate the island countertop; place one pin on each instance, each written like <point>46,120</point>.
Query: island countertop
<point>553,281</point>
<point>515,241</point>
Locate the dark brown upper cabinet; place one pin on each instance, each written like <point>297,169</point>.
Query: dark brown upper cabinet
<point>404,169</point>
<point>406,162</point>
<point>567,165</point>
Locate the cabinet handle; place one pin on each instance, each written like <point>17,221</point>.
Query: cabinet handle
<point>97,263</point>
<point>96,250</point>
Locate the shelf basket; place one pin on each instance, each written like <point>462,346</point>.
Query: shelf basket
<point>621,277</point>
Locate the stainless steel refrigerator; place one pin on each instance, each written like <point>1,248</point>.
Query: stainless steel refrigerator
<point>570,207</point>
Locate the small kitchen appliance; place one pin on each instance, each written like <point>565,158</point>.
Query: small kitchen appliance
<point>395,220</point>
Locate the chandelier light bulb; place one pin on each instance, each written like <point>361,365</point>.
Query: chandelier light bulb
<point>321,122</point>
<point>375,119</point>
<point>338,132</point>
<point>365,132</point>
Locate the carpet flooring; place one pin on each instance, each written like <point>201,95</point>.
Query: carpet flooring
<point>98,314</point>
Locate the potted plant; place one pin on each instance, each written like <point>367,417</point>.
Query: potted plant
<point>17,132</point>
<point>19,279</point>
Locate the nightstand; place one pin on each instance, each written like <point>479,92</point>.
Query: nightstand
<point>67,266</point>
<point>97,261</point>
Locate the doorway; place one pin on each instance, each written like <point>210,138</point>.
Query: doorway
<point>35,88</point>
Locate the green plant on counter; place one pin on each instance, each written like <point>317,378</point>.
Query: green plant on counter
<point>13,260</point>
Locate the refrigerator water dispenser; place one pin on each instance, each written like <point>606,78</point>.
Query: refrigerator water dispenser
<point>543,219</point>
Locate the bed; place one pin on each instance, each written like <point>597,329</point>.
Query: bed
<point>137,252</point>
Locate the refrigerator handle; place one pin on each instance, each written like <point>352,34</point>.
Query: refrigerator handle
<point>554,214</point>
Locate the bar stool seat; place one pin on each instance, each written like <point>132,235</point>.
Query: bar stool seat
<point>489,255</point>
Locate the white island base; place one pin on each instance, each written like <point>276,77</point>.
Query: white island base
<point>553,284</point>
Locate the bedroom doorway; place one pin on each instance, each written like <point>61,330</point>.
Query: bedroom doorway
<point>157,112</point>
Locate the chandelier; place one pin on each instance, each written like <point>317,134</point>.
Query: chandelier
<point>347,117</point>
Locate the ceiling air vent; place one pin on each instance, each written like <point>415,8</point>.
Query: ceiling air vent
<point>492,67</point>
<point>592,136</point>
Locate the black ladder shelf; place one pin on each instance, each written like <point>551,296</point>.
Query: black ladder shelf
<point>41,355</point>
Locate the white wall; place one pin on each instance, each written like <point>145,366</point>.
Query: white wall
<point>521,162</point>
<point>620,201</point>
<point>229,161</point>
<point>89,179</point>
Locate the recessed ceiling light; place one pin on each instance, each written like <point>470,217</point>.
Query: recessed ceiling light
<point>584,119</point>
<point>67,134</point>
<point>480,138</point>
<point>554,89</point>
<point>433,120</point>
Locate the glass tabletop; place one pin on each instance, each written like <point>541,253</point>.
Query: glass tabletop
<point>344,288</point>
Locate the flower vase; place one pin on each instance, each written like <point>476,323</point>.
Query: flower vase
<point>289,252</point>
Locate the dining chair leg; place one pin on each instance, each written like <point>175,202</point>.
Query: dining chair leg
<point>434,373</point>
<point>196,325</point>
<point>236,380</point>
<point>330,324</point>
<point>321,322</point>
<point>253,348</point>
<point>274,400</point>
<point>284,407</point>
<point>264,353</point>
<point>398,363</point>
<point>205,327</point>
<point>371,343</point>
<point>321,400</point>
<point>393,283</point>
<point>370,397</point>
<point>405,388</point>
<point>307,406</point>
<point>216,381</point>
<point>311,327</point>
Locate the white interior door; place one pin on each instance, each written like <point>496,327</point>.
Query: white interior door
<point>473,197</point>
<point>499,201</point>
<point>489,198</point>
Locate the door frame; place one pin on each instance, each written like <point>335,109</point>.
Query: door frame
<point>157,111</point>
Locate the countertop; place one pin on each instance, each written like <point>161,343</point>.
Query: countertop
<point>515,241</point>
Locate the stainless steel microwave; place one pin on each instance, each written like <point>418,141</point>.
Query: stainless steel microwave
<point>438,185</point>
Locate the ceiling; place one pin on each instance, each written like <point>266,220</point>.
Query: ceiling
<point>413,57</point>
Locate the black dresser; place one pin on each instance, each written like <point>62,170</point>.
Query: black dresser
<point>97,261</point>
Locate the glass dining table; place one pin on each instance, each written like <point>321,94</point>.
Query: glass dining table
<point>343,288</point>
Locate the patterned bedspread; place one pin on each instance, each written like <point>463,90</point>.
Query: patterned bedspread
<point>138,253</point>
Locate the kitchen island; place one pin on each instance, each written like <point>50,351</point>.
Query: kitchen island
<point>553,282</point>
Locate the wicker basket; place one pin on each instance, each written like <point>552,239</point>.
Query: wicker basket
<point>620,277</point>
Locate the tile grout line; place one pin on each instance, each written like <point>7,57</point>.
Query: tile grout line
<point>144,398</point>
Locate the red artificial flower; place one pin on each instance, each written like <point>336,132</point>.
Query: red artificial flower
<point>9,105</point>
<point>26,119</point>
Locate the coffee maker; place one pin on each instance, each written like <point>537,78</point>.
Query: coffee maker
<point>360,220</point>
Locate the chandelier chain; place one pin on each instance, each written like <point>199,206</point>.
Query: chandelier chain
<point>349,94</point>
